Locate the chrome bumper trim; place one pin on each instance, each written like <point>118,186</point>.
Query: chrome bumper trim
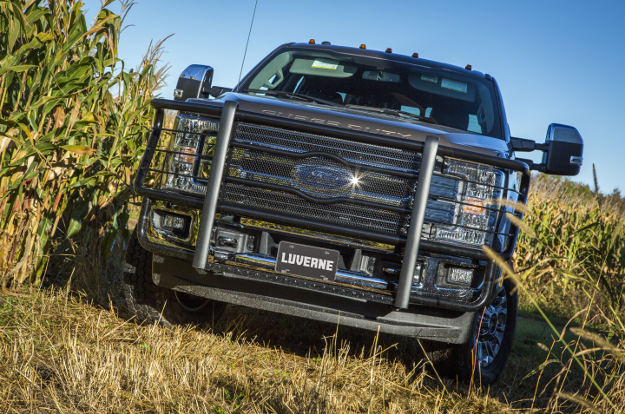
<point>342,276</point>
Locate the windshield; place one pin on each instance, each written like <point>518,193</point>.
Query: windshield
<point>435,95</point>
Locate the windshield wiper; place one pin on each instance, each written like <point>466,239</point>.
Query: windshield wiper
<point>393,112</point>
<point>293,95</point>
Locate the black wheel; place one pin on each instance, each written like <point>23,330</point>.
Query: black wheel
<point>484,357</point>
<point>147,302</point>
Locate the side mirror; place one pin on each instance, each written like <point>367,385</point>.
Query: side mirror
<point>194,82</point>
<point>562,150</point>
<point>565,148</point>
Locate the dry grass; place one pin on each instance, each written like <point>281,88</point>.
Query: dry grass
<point>60,353</point>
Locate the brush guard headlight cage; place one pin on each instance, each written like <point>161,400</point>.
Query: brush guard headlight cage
<point>176,168</point>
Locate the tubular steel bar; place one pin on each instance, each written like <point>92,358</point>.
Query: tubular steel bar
<point>146,160</point>
<point>428,162</point>
<point>214,183</point>
<point>486,296</point>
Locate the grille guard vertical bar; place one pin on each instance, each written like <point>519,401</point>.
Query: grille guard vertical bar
<point>428,162</point>
<point>214,182</point>
<point>146,160</point>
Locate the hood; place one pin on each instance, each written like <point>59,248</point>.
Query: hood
<point>365,121</point>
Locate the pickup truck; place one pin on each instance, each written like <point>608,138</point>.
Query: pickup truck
<point>340,184</point>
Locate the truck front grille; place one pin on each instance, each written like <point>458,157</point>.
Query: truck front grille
<point>330,180</point>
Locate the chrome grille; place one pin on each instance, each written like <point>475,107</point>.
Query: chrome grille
<point>346,214</point>
<point>300,142</point>
<point>300,175</point>
<point>339,181</point>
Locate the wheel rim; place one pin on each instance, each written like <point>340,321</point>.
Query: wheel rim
<point>491,330</point>
<point>190,303</point>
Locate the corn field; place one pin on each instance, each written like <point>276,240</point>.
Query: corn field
<point>570,262</point>
<point>72,122</point>
<point>574,254</point>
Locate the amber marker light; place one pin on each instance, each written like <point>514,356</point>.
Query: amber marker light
<point>363,46</point>
<point>389,50</point>
<point>311,42</point>
<point>415,55</point>
<point>474,206</point>
<point>186,154</point>
<point>468,67</point>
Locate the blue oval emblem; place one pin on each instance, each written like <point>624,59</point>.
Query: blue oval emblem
<point>322,177</point>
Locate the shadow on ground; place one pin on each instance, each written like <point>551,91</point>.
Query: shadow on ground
<point>307,338</point>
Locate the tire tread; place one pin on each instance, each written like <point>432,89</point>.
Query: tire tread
<point>146,302</point>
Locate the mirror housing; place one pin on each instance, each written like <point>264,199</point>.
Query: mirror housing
<point>565,147</point>
<point>562,150</point>
<point>194,82</point>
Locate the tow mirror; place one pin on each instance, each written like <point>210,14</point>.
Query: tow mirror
<point>194,82</point>
<point>562,150</point>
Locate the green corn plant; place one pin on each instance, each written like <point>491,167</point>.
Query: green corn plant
<point>572,249</point>
<point>72,124</point>
<point>575,251</point>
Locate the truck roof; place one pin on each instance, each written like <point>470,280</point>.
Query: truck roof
<point>391,56</point>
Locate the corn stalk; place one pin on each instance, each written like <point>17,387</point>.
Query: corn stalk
<point>570,251</point>
<point>72,123</point>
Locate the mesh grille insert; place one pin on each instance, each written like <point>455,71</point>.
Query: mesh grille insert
<point>368,154</point>
<point>305,179</point>
<point>344,214</point>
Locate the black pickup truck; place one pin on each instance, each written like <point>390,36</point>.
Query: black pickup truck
<point>339,183</point>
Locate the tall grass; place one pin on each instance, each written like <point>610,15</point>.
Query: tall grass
<point>570,262</point>
<point>563,191</point>
<point>573,253</point>
<point>72,122</point>
<point>74,358</point>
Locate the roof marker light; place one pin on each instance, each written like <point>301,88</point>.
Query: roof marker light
<point>311,42</point>
<point>389,50</point>
<point>468,67</point>
<point>415,55</point>
<point>326,43</point>
<point>363,46</point>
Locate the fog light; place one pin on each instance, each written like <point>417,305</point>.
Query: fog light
<point>459,275</point>
<point>173,222</point>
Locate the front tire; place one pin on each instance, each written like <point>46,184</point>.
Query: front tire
<point>484,356</point>
<point>147,302</point>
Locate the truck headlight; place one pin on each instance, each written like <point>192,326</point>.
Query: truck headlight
<point>192,136</point>
<point>476,214</point>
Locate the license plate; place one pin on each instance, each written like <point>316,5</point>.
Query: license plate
<point>307,261</point>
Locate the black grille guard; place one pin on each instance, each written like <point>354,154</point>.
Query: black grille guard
<point>413,243</point>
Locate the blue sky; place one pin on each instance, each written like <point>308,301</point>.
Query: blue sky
<point>555,61</point>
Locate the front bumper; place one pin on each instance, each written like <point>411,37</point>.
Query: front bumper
<point>276,293</point>
<point>348,283</point>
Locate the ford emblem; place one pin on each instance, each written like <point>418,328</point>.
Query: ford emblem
<point>321,177</point>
